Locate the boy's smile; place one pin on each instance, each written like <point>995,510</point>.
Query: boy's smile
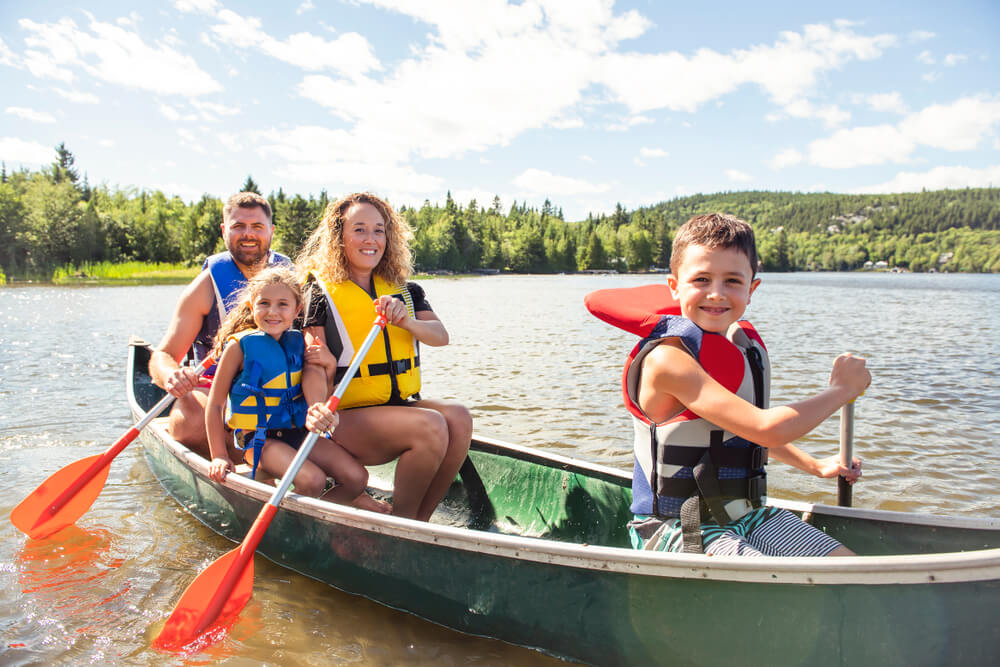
<point>713,286</point>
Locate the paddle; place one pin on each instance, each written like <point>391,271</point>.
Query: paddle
<point>844,494</point>
<point>223,588</point>
<point>69,492</point>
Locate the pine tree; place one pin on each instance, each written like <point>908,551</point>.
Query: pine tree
<point>62,168</point>
<point>250,185</point>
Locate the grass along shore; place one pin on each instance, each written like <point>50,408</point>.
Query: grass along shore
<point>126,273</point>
<point>104,274</point>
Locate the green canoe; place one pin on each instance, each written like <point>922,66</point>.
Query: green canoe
<point>531,548</point>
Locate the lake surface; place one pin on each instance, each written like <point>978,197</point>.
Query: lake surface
<point>535,369</point>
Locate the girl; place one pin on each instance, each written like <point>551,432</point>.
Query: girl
<point>259,392</point>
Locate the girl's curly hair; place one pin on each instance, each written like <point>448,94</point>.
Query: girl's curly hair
<point>323,252</point>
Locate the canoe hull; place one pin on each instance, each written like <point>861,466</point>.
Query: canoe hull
<point>588,603</point>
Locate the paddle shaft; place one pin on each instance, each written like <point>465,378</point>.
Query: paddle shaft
<point>263,520</point>
<point>844,494</point>
<point>120,444</point>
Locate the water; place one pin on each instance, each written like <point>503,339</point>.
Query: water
<point>534,367</point>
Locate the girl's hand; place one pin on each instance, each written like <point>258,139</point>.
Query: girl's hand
<point>830,467</point>
<point>850,373</point>
<point>393,309</point>
<point>320,419</point>
<point>219,468</point>
<point>318,354</point>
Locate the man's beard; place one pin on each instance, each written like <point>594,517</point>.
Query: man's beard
<point>249,256</point>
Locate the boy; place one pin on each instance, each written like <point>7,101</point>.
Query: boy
<point>697,387</point>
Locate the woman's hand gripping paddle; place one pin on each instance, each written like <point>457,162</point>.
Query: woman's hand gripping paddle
<point>69,492</point>
<point>222,589</point>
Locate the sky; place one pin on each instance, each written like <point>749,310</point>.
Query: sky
<point>589,103</point>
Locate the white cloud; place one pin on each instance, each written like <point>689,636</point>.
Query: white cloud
<point>938,178</point>
<point>921,35</point>
<point>28,153</point>
<point>787,70</point>
<point>339,161</point>
<point>7,57</point>
<point>738,176</point>
<point>77,96</point>
<point>541,182</point>
<point>959,126</point>
<point>889,102</point>
<point>199,6</point>
<point>646,152</point>
<point>786,158</point>
<point>586,158</point>
<point>930,77</point>
<point>169,112</point>
<point>831,114</point>
<point>628,123</point>
<point>926,58</point>
<point>210,111</point>
<point>31,114</point>
<point>566,123</point>
<point>350,53</point>
<point>859,146</point>
<point>305,7</point>
<point>106,143</point>
<point>191,142</point>
<point>112,54</point>
<point>953,59</point>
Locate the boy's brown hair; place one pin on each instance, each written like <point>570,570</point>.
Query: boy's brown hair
<point>246,200</point>
<point>715,230</point>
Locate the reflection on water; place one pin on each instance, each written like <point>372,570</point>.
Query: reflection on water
<point>534,368</point>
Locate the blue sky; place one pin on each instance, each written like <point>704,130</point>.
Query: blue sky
<point>586,102</point>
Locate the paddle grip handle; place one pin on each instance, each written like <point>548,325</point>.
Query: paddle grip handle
<point>844,493</point>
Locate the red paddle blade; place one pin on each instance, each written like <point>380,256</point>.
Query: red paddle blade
<point>34,515</point>
<point>207,602</point>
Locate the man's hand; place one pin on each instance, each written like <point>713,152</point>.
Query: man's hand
<point>182,381</point>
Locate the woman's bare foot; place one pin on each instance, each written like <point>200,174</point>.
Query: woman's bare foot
<point>366,502</point>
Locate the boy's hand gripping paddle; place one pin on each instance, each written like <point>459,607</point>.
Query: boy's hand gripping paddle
<point>69,492</point>
<point>224,587</point>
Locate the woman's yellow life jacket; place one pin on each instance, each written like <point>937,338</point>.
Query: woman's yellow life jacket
<point>390,372</point>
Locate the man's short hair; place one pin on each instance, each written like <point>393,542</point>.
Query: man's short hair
<point>715,230</point>
<point>246,200</point>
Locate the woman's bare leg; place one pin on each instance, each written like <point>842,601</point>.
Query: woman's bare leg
<point>459,423</point>
<point>418,437</point>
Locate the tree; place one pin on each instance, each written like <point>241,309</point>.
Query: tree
<point>62,168</point>
<point>250,185</point>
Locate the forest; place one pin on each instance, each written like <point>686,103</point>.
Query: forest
<point>52,218</point>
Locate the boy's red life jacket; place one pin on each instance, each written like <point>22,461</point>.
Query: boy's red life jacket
<point>686,466</point>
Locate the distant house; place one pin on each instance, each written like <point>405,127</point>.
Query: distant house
<point>881,264</point>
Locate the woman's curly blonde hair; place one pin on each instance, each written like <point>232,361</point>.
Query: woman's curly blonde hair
<point>323,252</point>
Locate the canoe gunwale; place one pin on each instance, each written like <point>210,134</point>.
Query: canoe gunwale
<point>967,566</point>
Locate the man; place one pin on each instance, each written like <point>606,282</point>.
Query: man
<point>247,230</point>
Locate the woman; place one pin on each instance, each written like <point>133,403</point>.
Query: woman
<point>357,261</point>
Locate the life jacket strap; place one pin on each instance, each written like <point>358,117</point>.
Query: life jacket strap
<point>253,388</point>
<point>752,457</point>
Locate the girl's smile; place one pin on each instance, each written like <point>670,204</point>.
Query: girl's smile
<point>275,309</point>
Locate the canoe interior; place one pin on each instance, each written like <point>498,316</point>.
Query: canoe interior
<point>518,492</point>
